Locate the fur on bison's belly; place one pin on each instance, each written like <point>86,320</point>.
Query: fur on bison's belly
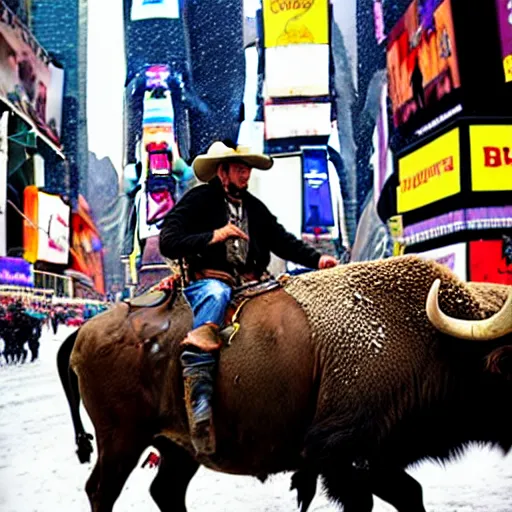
<point>364,373</point>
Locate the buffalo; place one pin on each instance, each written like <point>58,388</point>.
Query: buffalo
<point>348,374</point>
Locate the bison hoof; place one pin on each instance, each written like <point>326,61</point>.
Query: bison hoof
<point>84,447</point>
<point>305,483</point>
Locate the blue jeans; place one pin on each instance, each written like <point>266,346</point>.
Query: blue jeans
<point>209,299</point>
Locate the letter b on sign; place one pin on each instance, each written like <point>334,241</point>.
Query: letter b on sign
<point>492,157</point>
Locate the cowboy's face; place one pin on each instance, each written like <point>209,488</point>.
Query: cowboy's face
<point>237,174</point>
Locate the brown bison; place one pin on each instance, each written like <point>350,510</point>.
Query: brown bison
<point>349,374</point>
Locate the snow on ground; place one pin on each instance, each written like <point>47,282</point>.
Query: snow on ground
<point>39,471</point>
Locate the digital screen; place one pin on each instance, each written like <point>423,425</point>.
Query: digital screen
<point>297,120</point>
<point>317,201</point>
<point>151,9</point>
<point>422,65</point>
<point>488,262</point>
<point>504,12</point>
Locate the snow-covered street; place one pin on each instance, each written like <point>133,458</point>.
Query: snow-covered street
<point>39,471</point>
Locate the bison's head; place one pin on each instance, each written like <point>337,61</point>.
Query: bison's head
<point>499,325</point>
<point>492,328</point>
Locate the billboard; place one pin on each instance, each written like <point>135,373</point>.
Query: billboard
<point>16,271</point>
<point>86,246</point>
<point>29,83</point>
<point>429,173</point>
<point>491,157</point>
<point>151,9</point>
<point>297,120</point>
<point>422,63</point>
<point>504,12</point>
<point>46,227</point>
<point>295,22</point>
<point>317,201</point>
<point>487,262</point>
<point>452,256</point>
<point>297,70</point>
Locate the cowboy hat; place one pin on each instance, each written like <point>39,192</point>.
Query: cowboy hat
<point>205,166</point>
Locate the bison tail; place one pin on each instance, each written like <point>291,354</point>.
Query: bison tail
<point>69,382</point>
<point>500,361</point>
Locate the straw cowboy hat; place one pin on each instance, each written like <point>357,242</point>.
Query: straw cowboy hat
<point>205,166</point>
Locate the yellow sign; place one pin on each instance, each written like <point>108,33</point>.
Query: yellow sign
<point>430,173</point>
<point>295,22</point>
<point>507,66</point>
<point>396,227</point>
<point>491,157</point>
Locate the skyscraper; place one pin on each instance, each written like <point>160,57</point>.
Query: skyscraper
<point>61,27</point>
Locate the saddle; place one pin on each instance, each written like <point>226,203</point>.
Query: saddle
<point>149,311</point>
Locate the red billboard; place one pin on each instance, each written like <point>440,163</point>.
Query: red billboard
<point>487,262</point>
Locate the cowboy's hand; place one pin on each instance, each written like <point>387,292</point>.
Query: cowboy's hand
<point>327,261</point>
<point>228,231</point>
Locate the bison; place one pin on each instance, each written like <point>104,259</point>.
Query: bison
<point>349,374</point>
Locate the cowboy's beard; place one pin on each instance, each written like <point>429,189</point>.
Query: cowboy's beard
<point>235,191</point>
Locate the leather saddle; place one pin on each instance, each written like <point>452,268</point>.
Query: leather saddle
<point>149,311</point>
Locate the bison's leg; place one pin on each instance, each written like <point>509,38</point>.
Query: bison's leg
<point>349,487</point>
<point>177,467</point>
<point>118,454</point>
<point>399,489</point>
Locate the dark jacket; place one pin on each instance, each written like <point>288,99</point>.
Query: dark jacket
<point>189,226</point>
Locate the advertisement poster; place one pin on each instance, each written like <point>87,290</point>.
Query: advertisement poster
<point>16,271</point>
<point>297,120</point>
<point>29,83</point>
<point>452,256</point>
<point>504,12</point>
<point>317,201</point>
<point>295,22</point>
<point>429,173</point>
<point>491,157</point>
<point>86,246</point>
<point>53,221</point>
<point>150,9</point>
<point>422,61</point>
<point>297,71</point>
<point>487,262</point>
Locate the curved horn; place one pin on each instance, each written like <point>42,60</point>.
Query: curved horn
<point>491,328</point>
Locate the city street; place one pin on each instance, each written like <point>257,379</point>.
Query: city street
<point>39,471</point>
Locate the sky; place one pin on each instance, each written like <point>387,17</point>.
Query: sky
<point>105,81</point>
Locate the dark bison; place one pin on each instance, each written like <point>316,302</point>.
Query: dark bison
<point>350,374</point>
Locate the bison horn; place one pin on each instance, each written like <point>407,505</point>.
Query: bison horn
<point>491,328</point>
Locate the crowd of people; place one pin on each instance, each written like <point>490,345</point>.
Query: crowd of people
<point>24,315</point>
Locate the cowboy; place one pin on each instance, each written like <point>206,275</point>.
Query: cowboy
<point>225,235</point>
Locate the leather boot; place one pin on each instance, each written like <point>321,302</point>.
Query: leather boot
<point>199,364</point>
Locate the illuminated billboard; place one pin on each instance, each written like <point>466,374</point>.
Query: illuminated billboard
<point>422,63</point>
<point>29,82</point>
<point>297,120</point>
<point>46,228</point>
<point>429,173</point>
<point>291,22</point>
<point>297,70</point>
<point>151,9</point>
<point>504,12</point>
<point>488,263</point>
<point>491,157</point>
